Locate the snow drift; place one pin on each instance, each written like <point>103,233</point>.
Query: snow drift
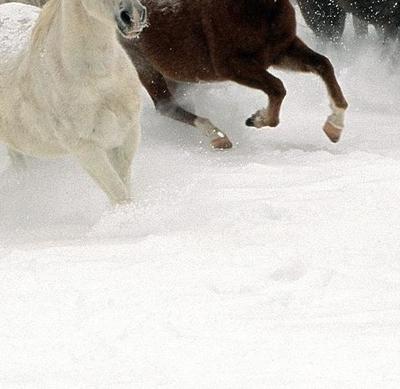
<point>275,264</point>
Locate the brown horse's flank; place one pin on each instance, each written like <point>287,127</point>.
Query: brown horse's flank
<point>235,40</point>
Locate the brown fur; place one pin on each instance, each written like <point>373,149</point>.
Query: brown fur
<point>221,40</point>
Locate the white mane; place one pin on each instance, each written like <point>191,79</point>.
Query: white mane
<point>46,17</point>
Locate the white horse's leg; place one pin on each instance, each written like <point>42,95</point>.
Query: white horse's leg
<point>121,158</point>
<point>97,163</point>
<point>17,160</point>
<point>122,165</point>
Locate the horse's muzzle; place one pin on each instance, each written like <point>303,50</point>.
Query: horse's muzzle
<point>131,18</point>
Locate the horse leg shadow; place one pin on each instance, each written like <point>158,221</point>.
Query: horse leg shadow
<point>299,57</point>
<point>159,90</point>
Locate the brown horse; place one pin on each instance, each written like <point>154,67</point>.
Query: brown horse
<point>227,40</point>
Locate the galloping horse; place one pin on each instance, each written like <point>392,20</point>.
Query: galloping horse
<point>72,89</point>
<point>385,15</point>
<point>227,40</point>
<point>327,17</point>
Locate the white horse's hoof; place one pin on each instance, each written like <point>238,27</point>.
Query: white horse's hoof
<point>332,132</point>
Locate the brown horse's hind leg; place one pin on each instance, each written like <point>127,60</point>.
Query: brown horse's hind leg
<point>157,87</point>
<point>301,58</point>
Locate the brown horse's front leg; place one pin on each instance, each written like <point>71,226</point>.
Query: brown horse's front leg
<point>249,72</point>
<point>300,57</point>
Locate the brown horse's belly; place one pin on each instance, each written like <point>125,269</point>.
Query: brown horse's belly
<point>174,70</point>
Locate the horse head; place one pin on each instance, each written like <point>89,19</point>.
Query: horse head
<point>130,16</point>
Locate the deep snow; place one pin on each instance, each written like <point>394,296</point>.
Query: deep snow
<point>273,265</point>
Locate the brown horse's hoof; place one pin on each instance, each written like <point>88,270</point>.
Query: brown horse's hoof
<point>259,122</point>
<point>332,132</point>
<point>221,143</point>
<point>250,122</point>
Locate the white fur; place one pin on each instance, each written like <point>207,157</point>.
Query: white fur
<point>337,116</point>
<point>73,90</point>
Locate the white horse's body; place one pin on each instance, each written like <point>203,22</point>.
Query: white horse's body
<point>73,90</point>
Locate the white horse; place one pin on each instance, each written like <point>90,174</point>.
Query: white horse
<point>73,90</point>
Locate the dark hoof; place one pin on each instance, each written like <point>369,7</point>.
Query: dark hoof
<point>250,122</point>
<point>221,143</point>
<point>332,132</point>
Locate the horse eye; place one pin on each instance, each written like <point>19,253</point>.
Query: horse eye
<point>125,17</point>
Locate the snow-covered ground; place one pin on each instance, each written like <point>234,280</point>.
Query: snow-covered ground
<point>273,265</point>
